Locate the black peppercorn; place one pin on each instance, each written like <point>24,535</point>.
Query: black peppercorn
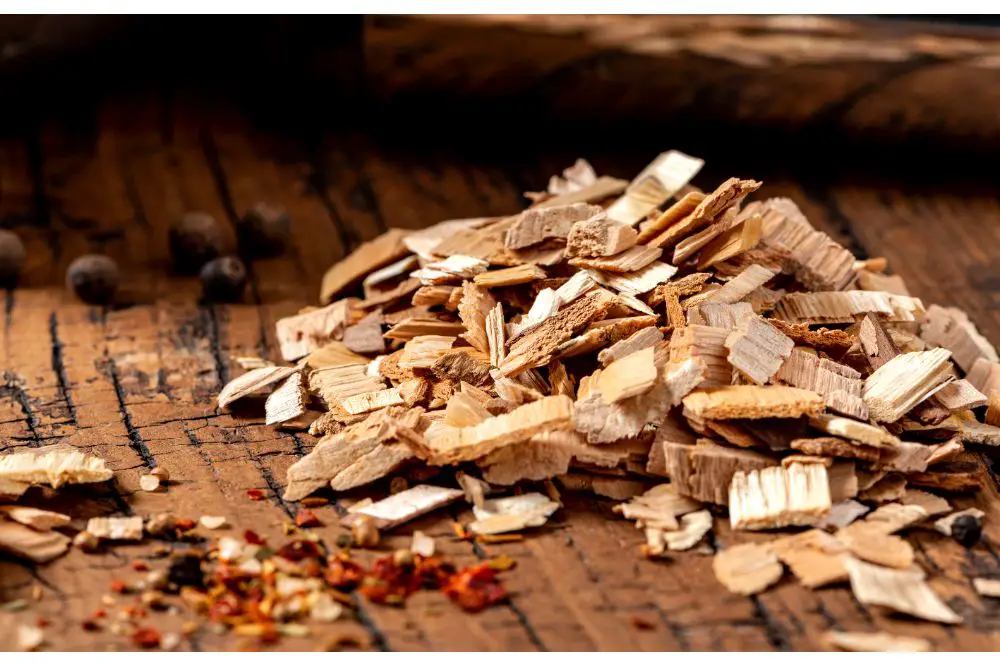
<point>11,257</point>
<point>967,530</point>
<point>195,239</point>
<point>185,571</point>
<point>223,279</point>
<point>264,230</point>
<point>93,278</point>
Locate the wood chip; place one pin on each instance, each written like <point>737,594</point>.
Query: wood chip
<point>633,259</point>
<point>986,587</point>
<point>680,210</point>
<point>840,385</point>
<point>747,568</point>
<point>951,328</point>
<point>876,641</point>
<point>728,194</point>
<point>116,529</point>
<point>659,181</point>
<point>422,544</point>
<point>453,269</point>
<point>253,382</point>
<point>778,497</point>
<point>636,282</point>
<point>368,257</point>
<point>405,506</point>
<point>704,471</point>
<point>630,376</point>
<point>757,349</point>
<point>37,519</point>
<point>844,307</point>
<point>30,544</point>
<point>508,277</point>
<point>54,466</point>
<point>539,224</point>
<point>644,337</point>
<point>512,514</point>
<point>301,334</point>
<point>288,401</point>
<point>904,591</point>
<point>752,402</point>
<point>212,522</point>
<point>905,381</point>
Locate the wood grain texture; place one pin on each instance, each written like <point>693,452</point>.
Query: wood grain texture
<point>135,384</point>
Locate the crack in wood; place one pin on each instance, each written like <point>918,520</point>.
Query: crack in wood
<point>13,387</point>
<point>221,367</point>
<point>134,437</point>
<point>59,366</point>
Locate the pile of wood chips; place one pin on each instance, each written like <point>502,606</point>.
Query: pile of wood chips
<point>617,334</point>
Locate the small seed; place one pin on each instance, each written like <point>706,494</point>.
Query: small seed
<point>93,278</point>
<point>149,483</point>
<point>264,230</point>
<point>365,533</point>
<point>212,522</point>
<point>224,279</point>
<point>86,542</point>
<point>161,473</point>
<point>195,239</point>
<point>12,255</point>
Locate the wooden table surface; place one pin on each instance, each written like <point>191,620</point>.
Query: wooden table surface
<point>136,384</point>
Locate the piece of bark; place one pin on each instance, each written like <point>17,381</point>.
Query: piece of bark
<point>844,307</point>
<point>37,519</point>
<point>747,568</point>
<point>368,257</point>
<point>453,269</point>
<point>734,241</point>
<point>633,259</point>
<point>55,465</point>
<point>288,401</point>
<point>599,237</point>
<point>253,382</point>
<point>723,315</point>
<point>752,402</point>
<point>778,497</point>
<point>512,514</point>
<point>661,179</point>
<point>644,337</point>
<point>728,194</point>
<point>459,365</point>
<point>405,506</point>
<point>952,329</point>
<point>843,479</point>
<point>539,224</point>
<point>706,346</point>
<point>876,641</point>
<point>301,334</point>
<point>950,478</point>
<point>536,347</point>
<point>24,542</point>
<point>753,277</point>
<point>905,381</point>
<point>681,209</point>
<point>455,445</point>
<point>840,385</point>
<point>411,327</point>
<point>904,591</point>
<point>757,349</point>
<point>705,471</point>
<point>508,277</point>
<point>116,528</point>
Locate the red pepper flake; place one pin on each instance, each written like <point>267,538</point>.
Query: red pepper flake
<point>460,531</point>
<point>139,565</point>
<point>253,538</point>
<point>99,614</point>
<point>90,625</point>
<point>119,586</point>
<point>296,551</point>
<point>343,574</point>
<point>185,524</point>
<point>146,638</point>
<point>255,494</point>
<point>42,622</point>
<point>642,623</point>
<point>475,588</point>
<point>306,518</point>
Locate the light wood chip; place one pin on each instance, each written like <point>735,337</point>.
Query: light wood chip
<point>630,376</point>
<point>302,334</point>
<point>508,277</point>
<point>986,587</point>
<point>644,337</point>
<point>288,401</point>
<point>840,385</point>
<point>660,180</point>
<point>369,402</point>
<point>512,514</point>
<point>411,327</point>
<point>599,190</point>
<point>633,259</point>
<point>747,568</point>
<point>463,411</point>
<point>54,466</point>
<point>40,547</point>
<point>722,315</point>
<point>681,209</point>
<point>116,528</point>
<point>876,641</point>
<point>253,382</point>
<point>425,242</point>
<point>842,514</point>
<point>602,333</point>
<point>932,504</point>
<point>865,433</point>
<point>599,237</point>
<point>335,383</point>
<point>844,307</point>
<point>539,224</point>
<point>737,239</point>
<point>752,402</point>
<point>693,528</point>
<point>368,257</point>
<point>758,349</point>
<point>959,395</point>
<point>705,471</point>
<point>333,354</point>
<point>543,456</point>
<point>37,519</point>
<point>985,376</point>
<point>706,346</point>
<point>405,506</point>
<point>867,542</point>
<point>905,591</point>
<point>422,544</point>
<point>952,329</point>
<point>635,282</point>
<point>778,497</point>
<point>905,381</point>
<point>814,557</point>
<point>423,351</point>
<point>728,194</point>
<point>496,335</point>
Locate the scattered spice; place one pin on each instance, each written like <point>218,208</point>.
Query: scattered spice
<point>223,280</point>
<point>93,278</point>
<point>146,638</point>
<point>195,238</point>
<point>306,518</point>
<point>255,494</point>
<point>967,530</point>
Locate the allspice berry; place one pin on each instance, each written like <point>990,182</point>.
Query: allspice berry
<point>11,257</point>
<point>195,239</point>
<point>967,530</point>
<point>93,278</point>
<point>264,230</point>
<point>224,279</point>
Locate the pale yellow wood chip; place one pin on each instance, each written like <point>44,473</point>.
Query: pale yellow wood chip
<point>366,258</point>
<point>721,315</point>
<point>959,395</point>
<point>659,181</point>
<point>508,277</point>
<point>369,402</point>
<point>747,568</point>
<point>752,402</point>
<point>867,542</point>
<point>644,337</point>
<point>705,471</point>
<point>706,346</point>
<point>333,354</point>
<point>390,272</point>
<point>116,528</point>
<point>475,489</point>
<point>865,433</point>
<point>904,382</point>
<point>302,334</point>
<point>635,282</point>
<point>741,286</point>
<point>212,522</point>
<point>475,305</point>
<point>681,209</point>
<point>450,270</point>
<point>512,514</point>
<point>737,239</point>
<point>844,307</point>
<point>37,519</point>
<point>496,335</point>
<point>422,544</point>
<point>633,259</point>
<point>252,382</point>
<point>658,507</point>
<point>423,351</point>
<point>757,349</point>
<point>840,385</point>
<point>952,329</point>
<point>876,641</point>
<point>599,190</point>
<point>986,587</point>
<point>463,411</point>
<point>630,376</point>
<point>543,456</point>
<point>905,591</point>
<point>778,497</point>
<point>405,506</point>
<point>55,466</point>
<point>31,544</point>
<point>411,327</point>
<point>814,557</point>
<point>693,528</point>
<point>728,195</point>
<point>287,402</point>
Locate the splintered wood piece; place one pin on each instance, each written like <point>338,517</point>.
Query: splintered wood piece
<point>943,525</point>
<point>435,294</point>
<point>463,411</point>
<point>425,242</point>
<point>986,587</point>
<point>959,395</point>
<point>865,433</point>
<point>394,270</point>
<point>369,402</point>
<point>496,335</point>
<point>368,257</point>
<point>455,445</point>
<point>635,282</point>
<point>840,385</point>
<point>37,519</point>
<point>288,401</point>
<point>729,194</point>
<point>423,351</point>
<point>304,333</point>
<point>464,365</point>
<point>333,354</point>
<point>741,286</point>
<point>985,376</point>
<point>389,296</point>
<point>475,305</point>
<point>706,346</point>
<point>335,383</point>
<point>677,212</point>
<point>539,224</point>
<point>475,489</point>
<point>693,528</point>
<point>932,504</point>
<point>55,466</point>
<point>704,471</point>
<point>904,382</point>
<point>752,402</point>
<point>814,557</point>
<point>758,349</point>
<point>724,315</point>
<point>454,268</point>
<point>905,591</point>
<point>661,179</point>
<point>252,382</point>
<point>40,547</point>
<point>116,528</point>
<point>843,514</point>
<point>835,447</point>
<point>737,239</point>
<point>411,327</point>
<point>543,456</point>
<point>405,506</point>
<point>747,568</point>
<point>894,284</point>
<point>868,543</point>
<point>632,259</point>
<point>659,507</point>
<point>876,342</point>
<point>602,333</point>
<point>536,347</point>
<point>599,237</point>
<point>365,337</point>
<point>644,337</point>
<point>778,497</point>
<point>952,329</point>
<point>601,189</point>
<point>512,514</point>
<point>508,277</point>
<point>876,641</point>
<point>844,307</point>
<point>630,376</point>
